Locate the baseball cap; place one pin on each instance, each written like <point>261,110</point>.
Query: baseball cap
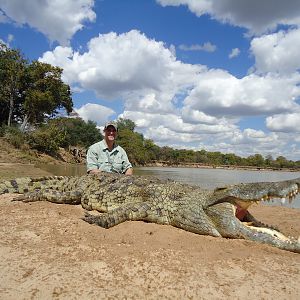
<point>111,123</point>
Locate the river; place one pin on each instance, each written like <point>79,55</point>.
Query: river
<point>205,178</point>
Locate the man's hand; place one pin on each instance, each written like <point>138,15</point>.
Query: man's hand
<point>129,171</point>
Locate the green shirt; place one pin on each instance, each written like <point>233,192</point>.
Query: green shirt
<point>99,157</point>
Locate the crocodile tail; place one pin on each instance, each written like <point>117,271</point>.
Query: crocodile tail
<point>25,184</point>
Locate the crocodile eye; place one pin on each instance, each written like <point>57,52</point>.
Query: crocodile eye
<point>221,188</point>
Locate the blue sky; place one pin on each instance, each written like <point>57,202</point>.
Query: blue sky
<point>207,74</point>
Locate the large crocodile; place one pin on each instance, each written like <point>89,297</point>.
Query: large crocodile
<point>221,212</point>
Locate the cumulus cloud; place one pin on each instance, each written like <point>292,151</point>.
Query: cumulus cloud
<point>257,16</point>
<point>125,65</point>
<point>278,52</point>
<point>249,142</point>
<point>220,135</point>
<point>66,17</point>
<point>175,123</point>
<point>220,93</point>
<point>95,112</point>
<point>207,47</point>
<point>147,75</point>
<point>284,122</point>
<point>234,53</point>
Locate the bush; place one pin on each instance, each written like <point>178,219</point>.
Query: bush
<point>77,132</point>
<point>46,139</point>
<point>14,136</point>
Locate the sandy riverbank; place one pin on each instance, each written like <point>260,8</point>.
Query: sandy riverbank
<point>48,252</point>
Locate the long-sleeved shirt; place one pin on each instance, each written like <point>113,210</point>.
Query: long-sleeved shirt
<point>99,157</point>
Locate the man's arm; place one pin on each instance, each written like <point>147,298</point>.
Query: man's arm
<point>91,161</point>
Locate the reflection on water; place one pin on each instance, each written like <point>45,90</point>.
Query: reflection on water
<point>64,170</point>
<point>206,178</point>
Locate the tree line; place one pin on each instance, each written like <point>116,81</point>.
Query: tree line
<point>32,96</point>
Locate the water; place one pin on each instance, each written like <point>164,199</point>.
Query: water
<point>205,178</point>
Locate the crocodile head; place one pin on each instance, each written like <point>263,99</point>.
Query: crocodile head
<point>245,194</point>
<point>228,210</point>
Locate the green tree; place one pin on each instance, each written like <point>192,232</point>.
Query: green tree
<point>46,93</point>
<point>125,123</point>
<point>215,158</point>
<point>47,139</point>
<point>77,132</point>
<point>12,71</point>
<point>231,159</point>
<point>152,150</point>
<point>269,160</point>
<point>282,162</point>
<point>133,143</point>
<point>186,156</point>
<point>256,160</point>
<point>167,154</point>
<point>201,157</point>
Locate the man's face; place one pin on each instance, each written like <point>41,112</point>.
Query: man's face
<point>110,133</point>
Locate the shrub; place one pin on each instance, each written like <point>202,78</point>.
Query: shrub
<point>14,136</point>
<point>46,139</point>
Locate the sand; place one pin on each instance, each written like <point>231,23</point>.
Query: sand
<point>48,252</point>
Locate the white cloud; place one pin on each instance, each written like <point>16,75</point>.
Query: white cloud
<point>125,65</point>
<point>170,129</point>
<point>174,122</point>
<point>234,53</point>
<point>251,135</point>
<point>278,52</point>
<point>257,16</point>
<point>248,142</point>
<point>208,47</point>
<point>65,58</point>
<point>9,39</point>
<point>172,49</point>
<point>219,93</point>
<point>95,112</point>
<point>66,17</point>
<point>284,122</point>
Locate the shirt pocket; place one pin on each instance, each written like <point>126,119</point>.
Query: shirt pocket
<point>118,167</point>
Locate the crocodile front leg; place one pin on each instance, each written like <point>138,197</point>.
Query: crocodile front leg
<point>223,216</point>
<point>127,212</point>
<point>185,218</point>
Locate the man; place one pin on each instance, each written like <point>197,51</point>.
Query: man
<point>107,156</point>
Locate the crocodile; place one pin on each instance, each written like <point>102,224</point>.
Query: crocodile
<point>222,212</point>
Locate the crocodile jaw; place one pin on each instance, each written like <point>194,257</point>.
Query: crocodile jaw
<point>245,195</point>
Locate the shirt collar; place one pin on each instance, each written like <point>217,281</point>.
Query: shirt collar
<point>106,147</point>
